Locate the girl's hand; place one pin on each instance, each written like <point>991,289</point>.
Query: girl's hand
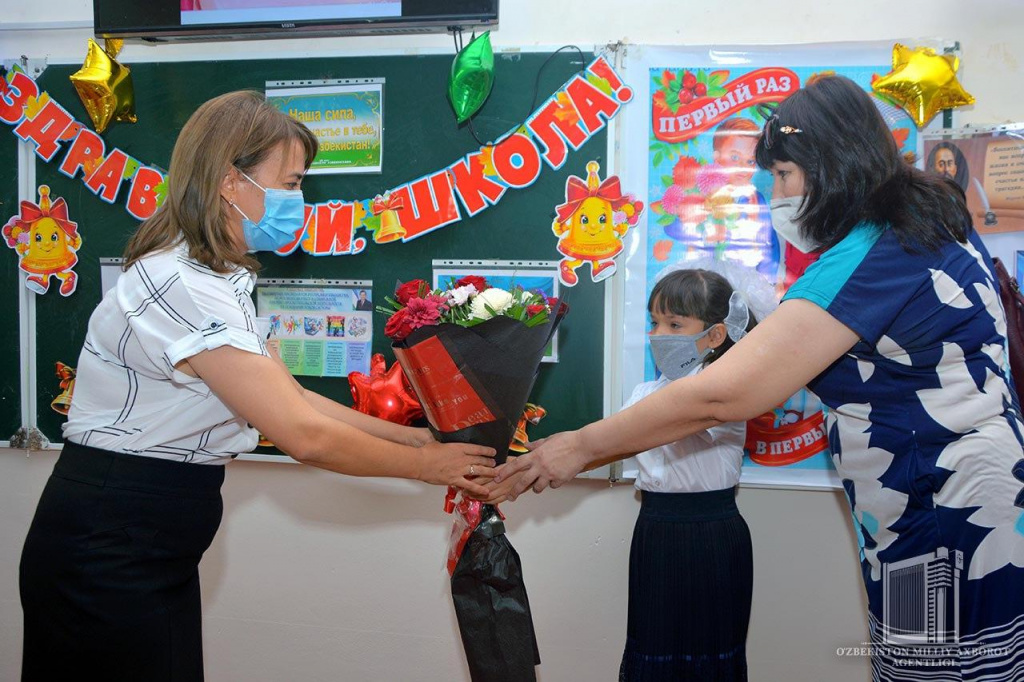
<point>455,464</point>
<point>498,492</point>
<point>554,461</point>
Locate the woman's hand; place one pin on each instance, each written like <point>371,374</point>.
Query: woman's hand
<point>417,438</point>
<point>554,461</point>
<point>455,464</point>
<point>498,492</point>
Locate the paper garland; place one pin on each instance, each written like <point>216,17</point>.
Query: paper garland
<point>571,116</point>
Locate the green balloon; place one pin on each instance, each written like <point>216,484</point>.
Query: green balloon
<point>472,77</point>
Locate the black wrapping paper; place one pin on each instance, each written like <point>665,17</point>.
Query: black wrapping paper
<point>492,607</point>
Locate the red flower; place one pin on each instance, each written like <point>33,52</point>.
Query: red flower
<point>409,290</point>
<point>535,309</point>
<point>552,303</point>
<point>667,77</point>
<point>689,80</point>
<point>399,325</point>
<point>685,171</point>
<point>476,280</point>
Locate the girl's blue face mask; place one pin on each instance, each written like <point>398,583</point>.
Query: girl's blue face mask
<point>283,213</point>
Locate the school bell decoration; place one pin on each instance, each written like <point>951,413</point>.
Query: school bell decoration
<point>105,86</point>
<point>472,77</point>
<point>46,241</point>
<point>62,403</point>
<point>922,82</point>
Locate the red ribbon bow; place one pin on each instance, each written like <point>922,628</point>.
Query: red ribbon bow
<point>30,213</point>
<point>576,191</point>
<point>380,204</point>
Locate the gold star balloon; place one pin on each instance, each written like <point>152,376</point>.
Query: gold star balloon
<point>922,82</point>
<point>105,86</point>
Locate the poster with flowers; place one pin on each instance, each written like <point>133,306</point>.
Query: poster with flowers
<point>709,202</point>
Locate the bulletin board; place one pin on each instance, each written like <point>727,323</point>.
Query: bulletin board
<point>421,136</point>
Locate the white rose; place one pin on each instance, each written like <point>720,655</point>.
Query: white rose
<point>496,299</point>
<point>460,295</point>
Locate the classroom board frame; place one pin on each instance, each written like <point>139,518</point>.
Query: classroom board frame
<point>30,405</point>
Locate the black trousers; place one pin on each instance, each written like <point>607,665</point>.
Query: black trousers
<point>109,573</point>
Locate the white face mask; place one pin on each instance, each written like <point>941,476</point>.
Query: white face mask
<point>783,211</point>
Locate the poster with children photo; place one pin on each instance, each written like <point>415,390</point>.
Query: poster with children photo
<point>710,202</point>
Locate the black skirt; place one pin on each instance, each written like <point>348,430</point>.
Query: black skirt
<point>690,584</point>
<point>109,572</point>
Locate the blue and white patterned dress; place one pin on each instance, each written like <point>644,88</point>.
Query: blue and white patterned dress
<point>925,430</point>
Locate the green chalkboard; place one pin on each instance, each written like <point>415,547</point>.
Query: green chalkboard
<point>10,374</point>
<point>420,137</point>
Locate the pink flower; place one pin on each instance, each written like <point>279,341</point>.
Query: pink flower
<point>425,311</point>
<point>711,178</point>
<point>672,199</point>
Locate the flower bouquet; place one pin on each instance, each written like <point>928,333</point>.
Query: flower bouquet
<point>471,353</point>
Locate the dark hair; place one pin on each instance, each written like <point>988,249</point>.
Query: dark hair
<point>700,294</point>
<point>962,172</point>
<point>854,172</point>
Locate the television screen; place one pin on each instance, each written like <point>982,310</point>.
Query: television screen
<point>160,20</point>
<point>198,12</point>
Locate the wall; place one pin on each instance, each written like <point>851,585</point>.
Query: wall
<point>315,577</point>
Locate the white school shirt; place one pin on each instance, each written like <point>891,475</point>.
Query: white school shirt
<point>129,397</point>
<point>708,460</point>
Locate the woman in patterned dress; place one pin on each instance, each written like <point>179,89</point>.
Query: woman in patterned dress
<point>898,328</point>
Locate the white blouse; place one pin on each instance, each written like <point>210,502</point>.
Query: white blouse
<point>129,397</point>
<point>708,460</point>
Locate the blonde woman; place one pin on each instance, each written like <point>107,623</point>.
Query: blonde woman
<point>175,380</point>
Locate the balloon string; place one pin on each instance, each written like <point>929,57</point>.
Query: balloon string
<point>536,87</point>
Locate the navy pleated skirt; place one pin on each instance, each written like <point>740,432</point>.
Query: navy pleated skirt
<point>109,572</point>
<point>690,583</point>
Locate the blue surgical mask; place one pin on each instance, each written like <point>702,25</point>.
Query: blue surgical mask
<point>676,354</point>
<point>283,213</point>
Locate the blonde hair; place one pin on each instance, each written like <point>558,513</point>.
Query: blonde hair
<point>235,129</point>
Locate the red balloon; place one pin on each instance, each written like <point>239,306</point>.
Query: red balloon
<point>385,393</point>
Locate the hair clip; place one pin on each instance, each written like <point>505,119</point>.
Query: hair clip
<point>789,130</point>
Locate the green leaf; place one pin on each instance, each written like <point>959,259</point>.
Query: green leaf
<point>130,169</point>
<point>160,192</point>
<point>372,223</point>
<point>658,158</point>
<point>601,84</point>
<point>667,180</point>
<point>666,219</point>
<point>702,76</point>
<point>716,91</point>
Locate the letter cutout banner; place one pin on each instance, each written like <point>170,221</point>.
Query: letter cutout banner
<point>571,116</point>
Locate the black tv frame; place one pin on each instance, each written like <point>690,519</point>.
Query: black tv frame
<point>160,21</point>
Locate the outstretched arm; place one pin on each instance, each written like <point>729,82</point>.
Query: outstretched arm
<point>261,391</point>
<point>784,352</point>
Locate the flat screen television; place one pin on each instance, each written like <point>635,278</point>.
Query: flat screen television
<point>171,20</point>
